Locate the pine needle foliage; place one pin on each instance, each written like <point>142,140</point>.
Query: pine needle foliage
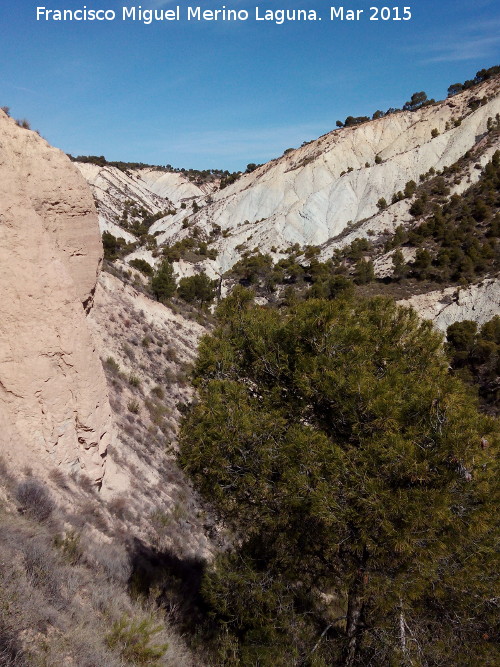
<point>352,466</point>
<point>163,282</point>
<point>133,637</point>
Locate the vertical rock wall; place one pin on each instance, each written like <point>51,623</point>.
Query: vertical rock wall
<point>54,407</point>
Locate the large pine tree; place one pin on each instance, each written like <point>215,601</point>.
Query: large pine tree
<point>359,478</point>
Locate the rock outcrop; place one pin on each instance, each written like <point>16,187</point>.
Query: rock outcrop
<point>54,409</point>
<point>326,193</point>
<point>479,303</point>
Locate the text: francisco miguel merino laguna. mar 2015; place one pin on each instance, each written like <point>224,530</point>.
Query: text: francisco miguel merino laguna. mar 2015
<point>197,13</point>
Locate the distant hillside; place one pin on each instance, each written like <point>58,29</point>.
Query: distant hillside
<point>357,193</point>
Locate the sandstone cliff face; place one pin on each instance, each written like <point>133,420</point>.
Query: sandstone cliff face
<point>54,408</point>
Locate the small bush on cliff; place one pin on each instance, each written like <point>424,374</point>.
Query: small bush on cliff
<point>410,189</point>
<point>197,289</point>
<point>142,266</point>
<point>417,208</point>
<point>24,124</point>
<point>113,247</point>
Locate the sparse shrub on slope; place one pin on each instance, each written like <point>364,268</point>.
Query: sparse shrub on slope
<point>191,248</point>
<point>197,289</point>
<point>142,266</point>
<point>63,594</point>
<point>457,239</point>
<point>114,247</point>
<point>134,640</point>
<point>253,268</point>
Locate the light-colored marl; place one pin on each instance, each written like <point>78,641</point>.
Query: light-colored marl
<point>324,193</point>
<point>478,302</point>
<point>309,196</point>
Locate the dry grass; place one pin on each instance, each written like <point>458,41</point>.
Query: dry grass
<point>59,478</point>
<point>85,482</point>
<point>119,506</point>
<point>64,595</point>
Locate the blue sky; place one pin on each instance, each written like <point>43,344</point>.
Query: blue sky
<point>220,95</point>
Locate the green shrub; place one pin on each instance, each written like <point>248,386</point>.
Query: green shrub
<point>197,289</point>
<point>410,189</point>
<point>134,381</point>
<point>142,266</point>
<point>133,406</point>
<point>158,392</point>
<point>112,365</point>
<point>364,272</point>
<point>132,639</point>
<point>163,282</point>
<point>417,208</point>
<point>114,247</point>
<point>416,102</point>
<point>69,545</point>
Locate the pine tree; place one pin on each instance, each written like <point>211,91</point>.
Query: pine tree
<point>399,265</point>
<point>364,272</point>
<point>197,289</point>
<point>334,441</point>
<point>163,282</point>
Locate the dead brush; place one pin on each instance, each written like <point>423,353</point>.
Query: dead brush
<point>34,500</point>
<point>42,568</point>
<point>119,507</point>
<point>59,478</point>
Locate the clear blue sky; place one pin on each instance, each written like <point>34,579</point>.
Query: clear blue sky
<point>224,94</point>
